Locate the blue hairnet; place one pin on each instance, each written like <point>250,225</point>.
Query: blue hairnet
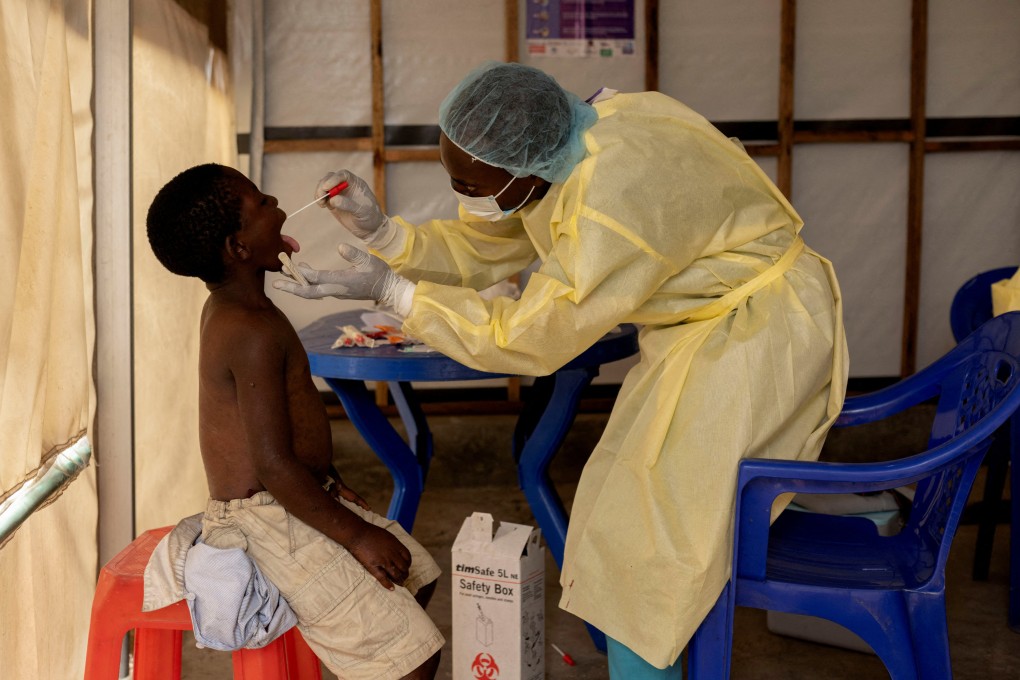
<point>517,118</point>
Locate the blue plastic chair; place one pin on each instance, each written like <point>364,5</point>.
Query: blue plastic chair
<point>972,304</point>
<point>971,307</point>
<point>889,590</point>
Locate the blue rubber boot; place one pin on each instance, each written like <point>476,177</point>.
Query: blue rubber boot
<point>626,665</point>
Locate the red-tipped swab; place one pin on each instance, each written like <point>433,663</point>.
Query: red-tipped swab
<point>566,657</point>
<point>329,194</point>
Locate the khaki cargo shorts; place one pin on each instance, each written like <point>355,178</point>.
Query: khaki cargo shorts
<point>358,628</point>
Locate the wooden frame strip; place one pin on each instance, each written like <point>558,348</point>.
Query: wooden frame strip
<point>651,45</point>
<point>512,22</point>
<point>411,154</point>
<point>915,195</point>
<point>852,136</point>
<point>761,149</point>
<point>833,132</point>
<point>378,138</point>
<point>378,106</point>
<point>310,145</point>
<point>512,53</point>
<point>787,58</point>
<point>972,145</point>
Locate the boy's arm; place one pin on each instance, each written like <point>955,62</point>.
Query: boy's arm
<point>258,366</point>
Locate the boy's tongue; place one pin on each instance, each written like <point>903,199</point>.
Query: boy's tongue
<point>289,240</point>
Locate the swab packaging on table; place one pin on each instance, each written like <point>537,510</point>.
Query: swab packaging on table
<point>498,601</point>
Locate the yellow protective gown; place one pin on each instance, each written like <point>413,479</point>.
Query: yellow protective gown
<point>668,224</point>
<point>1006,295</point>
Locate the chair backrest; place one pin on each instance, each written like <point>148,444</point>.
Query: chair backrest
<point>970,395</point>
<point>981,389</point>
<point>972,304</point>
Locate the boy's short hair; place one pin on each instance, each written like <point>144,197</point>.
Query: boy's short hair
<point>190,218</point>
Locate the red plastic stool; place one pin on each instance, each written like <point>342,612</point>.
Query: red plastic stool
<point>117,608</point>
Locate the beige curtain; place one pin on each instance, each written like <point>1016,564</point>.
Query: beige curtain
<point>47,331</point>
<point>182,116</point>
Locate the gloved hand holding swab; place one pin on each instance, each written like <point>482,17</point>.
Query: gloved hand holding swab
<point>356,208</point>
<point>329,194</point>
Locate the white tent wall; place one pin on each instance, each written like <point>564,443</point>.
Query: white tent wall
<point>972,224</point>
<point>972,199</point>
<point>721,58</point>
<point>852,63</point>
<point>853,199</point>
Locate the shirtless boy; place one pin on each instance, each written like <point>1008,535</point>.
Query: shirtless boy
<point>357,582</point>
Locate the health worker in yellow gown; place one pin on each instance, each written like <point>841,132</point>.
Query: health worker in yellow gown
<point>639,211</point>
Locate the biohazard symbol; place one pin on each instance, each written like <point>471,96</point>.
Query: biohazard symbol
<point>484,667</point>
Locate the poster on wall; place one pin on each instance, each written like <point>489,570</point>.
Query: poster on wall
<point>580,28</point>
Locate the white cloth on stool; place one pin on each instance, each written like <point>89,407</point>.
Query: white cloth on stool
<point>232,605</point>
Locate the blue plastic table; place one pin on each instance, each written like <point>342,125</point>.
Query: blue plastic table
<point>541,426</point>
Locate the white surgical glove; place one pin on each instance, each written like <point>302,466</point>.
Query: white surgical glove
<point>356,208</point>
<point>368,279</point>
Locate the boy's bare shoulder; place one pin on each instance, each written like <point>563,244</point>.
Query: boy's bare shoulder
<point>239,329</point>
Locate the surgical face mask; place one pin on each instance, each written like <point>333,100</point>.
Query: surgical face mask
<point>487,207</point>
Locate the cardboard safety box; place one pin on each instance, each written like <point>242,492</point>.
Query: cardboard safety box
<point>498,601</point>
